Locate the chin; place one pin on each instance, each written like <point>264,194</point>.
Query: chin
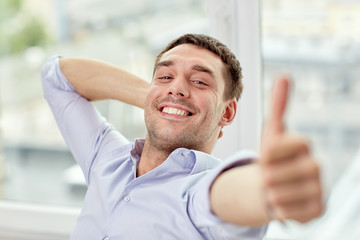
<point>172,141</point>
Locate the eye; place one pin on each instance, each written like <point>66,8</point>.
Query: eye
<point>200,82</point>
<point>165,78</point>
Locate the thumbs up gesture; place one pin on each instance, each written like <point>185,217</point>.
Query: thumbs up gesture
<point>290,174</point>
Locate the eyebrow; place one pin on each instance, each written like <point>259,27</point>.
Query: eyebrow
<point>196,67</point>
<point>201,68</point>
<point>166,63</point>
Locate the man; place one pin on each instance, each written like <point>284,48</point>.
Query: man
<point>168,186</point>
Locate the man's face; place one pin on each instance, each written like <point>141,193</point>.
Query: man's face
<point>185,105</point>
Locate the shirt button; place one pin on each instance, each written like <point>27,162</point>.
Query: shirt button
<point>126,198</point>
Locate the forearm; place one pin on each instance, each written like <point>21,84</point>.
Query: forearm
<point>96,80</point>
<point>237,196</point>
<point>284,181</point>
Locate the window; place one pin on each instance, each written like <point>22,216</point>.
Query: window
<point>128,34</point>
<point>317,43</point>
<point>40,186</point>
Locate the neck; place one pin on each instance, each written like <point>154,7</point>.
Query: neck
<point>151,158</point>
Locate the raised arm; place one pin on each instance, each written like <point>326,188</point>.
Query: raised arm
<point>283,183</point>
<point>96,80</point>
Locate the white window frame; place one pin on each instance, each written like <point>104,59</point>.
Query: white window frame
<point>236,23</point>
<point>24,221</point>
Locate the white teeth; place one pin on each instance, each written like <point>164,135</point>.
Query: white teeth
<point>174,111</point>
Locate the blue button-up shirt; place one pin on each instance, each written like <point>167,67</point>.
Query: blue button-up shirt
<point>169,202</point>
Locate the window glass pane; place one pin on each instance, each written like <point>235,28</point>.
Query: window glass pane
<point>36,166</point>
<point>317,42</point>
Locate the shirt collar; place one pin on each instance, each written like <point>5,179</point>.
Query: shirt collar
<point>191,161</point>
<point>137,148</point>
<point>204,162</point>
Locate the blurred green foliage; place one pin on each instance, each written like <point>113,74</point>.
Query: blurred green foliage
<point>8,8</point>
<point>19,28</point>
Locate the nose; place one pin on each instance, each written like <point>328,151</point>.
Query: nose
<point>178,87</point>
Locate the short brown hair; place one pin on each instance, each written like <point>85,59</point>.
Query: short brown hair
<point>233,76</point>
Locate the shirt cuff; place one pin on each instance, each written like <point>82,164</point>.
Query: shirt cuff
<point>210,221</point>
<point>52,77</point>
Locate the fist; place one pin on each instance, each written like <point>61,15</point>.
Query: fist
<point>290,174</point>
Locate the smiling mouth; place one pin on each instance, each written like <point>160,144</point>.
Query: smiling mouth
<point>175,111</point>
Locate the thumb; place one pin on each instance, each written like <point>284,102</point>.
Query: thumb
<point>278,105</point>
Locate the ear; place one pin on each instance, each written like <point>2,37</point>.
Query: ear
<point>221,133</point>
<point>228,113</point>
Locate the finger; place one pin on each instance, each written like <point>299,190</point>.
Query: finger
<point>287,146</point>
<point>299,169</point>
<point>278,104</point>
<point>293,192</point>
<point>302,211</point>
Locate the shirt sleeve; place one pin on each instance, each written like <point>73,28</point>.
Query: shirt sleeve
<point>84,130</point>
<point>206,221</point>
